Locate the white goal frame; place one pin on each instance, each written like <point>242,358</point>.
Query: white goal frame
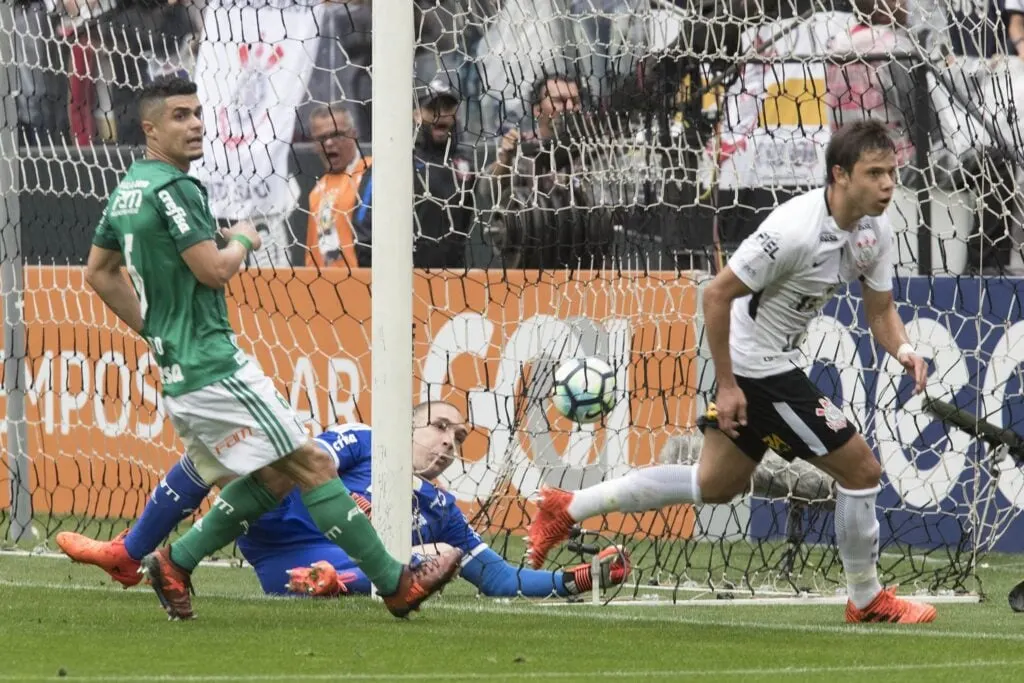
<point>392,277</point>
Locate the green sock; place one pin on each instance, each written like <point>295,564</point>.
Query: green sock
<point>341,521</point>
<point>240,502</point>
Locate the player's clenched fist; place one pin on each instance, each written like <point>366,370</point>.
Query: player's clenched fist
<point>247,231</point>
<point>732,410</point>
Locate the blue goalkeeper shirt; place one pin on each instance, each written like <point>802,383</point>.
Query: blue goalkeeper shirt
<point>436,519</point>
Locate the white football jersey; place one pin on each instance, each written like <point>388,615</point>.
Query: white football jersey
<point>794,263</point>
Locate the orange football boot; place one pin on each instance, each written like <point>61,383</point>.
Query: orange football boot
<point>319,580</point>
<point>110,556</point>
<point>551,525</point>
<point>615,568</point>
<point>419,581</point>
<point>172,584</point>
<point>886,608</point>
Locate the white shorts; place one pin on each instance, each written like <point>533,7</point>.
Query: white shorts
<point>236,425</point>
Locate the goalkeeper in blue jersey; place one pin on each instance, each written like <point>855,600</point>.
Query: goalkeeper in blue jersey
<point>289,553</point>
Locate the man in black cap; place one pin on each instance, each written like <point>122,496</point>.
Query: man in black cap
<point>442,184</point>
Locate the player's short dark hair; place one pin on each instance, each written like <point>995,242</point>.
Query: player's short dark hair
<point>851,141</point>
<point>427,406</point>
<point>161,88</point>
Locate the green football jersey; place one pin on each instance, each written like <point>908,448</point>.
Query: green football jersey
<point>154,214</point>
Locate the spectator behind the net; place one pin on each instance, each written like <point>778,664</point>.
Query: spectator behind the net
<point>117,45</point>
<point>37,105</point>
<point>443,198</point>
<point>977,33</point>
<point>600,41</point>
<point>883,90</point>
<point>535,200</point>
<point>335,197</point>
<point>342,71</point>
<point>861,83</point>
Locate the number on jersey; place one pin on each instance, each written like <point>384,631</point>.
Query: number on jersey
<point>157,344</point>
<point>133,273</point>
<point>172,374</point>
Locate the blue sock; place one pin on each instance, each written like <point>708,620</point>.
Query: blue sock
<point>178,494</point>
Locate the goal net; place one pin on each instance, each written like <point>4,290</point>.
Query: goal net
<point>652,137</point>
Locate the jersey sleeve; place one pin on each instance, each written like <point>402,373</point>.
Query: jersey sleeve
<point>105,236</point>
<point>457,532</point>
<point>496,578</point>
<point>765,256</point>
<point>879,276</point>
<point>185,212</point>
<point>348,453</point>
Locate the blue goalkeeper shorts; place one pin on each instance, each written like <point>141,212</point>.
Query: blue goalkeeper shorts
<point>272,567</point>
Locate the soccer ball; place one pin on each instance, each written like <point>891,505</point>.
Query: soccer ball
<point>584,389</point>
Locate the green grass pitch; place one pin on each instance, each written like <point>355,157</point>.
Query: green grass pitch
<point>60,621</point>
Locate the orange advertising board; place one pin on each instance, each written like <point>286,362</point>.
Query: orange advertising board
<point>488,341</point>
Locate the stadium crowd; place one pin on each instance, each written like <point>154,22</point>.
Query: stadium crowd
<point>506,160</point>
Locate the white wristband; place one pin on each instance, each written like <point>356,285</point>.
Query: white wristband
<point>905,349</point>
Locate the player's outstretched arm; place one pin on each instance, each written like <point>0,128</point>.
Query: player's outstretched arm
<point>889,330</point>
<point>103,274</point>
<point>496,578</point>
<point>487,570</point>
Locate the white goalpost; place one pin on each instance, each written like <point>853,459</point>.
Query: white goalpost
<point>392,273</point>
<point>11,288</point>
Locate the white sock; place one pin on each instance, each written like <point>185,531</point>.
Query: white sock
<point>648,488</point>
<point>857,538</point>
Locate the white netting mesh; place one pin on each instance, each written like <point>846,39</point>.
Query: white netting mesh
<point>642,141</point>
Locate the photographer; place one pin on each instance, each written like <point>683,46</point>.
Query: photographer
<point>443,198</point>
<point>537,200</point>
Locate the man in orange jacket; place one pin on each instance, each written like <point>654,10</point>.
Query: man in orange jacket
<point>329,238</point>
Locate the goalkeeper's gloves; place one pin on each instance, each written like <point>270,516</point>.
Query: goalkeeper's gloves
<point>319,580</point>
<point>363,504</point>
<point>615,569</point>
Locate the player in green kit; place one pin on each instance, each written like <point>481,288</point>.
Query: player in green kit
<point>157,226</point>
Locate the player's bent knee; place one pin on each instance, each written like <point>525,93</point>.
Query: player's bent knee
<point>308,466</point>
<point>717,493</point>
<point>854,466</point>
<point>723,470</point>
<point>718,486</point>
<point>318,460</point>
<point>872,474</point>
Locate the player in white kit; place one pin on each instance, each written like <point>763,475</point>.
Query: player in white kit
<point>757,311</point>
